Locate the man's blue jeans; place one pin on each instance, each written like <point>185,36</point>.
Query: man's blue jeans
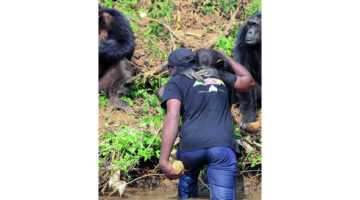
<point>221,172</point>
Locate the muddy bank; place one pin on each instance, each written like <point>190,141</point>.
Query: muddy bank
<point>159,194</point>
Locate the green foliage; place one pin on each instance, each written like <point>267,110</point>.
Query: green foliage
<point>126,148</point>
<point>150,100</point>
<point>237,131</point>
<point>225,44</point>
<point>107,3</point>
<point>258,159</point>
<point>103,100</point>
<point>156,52</point>
<point>207,7</point>
<point>146,90</point>
<point>224,4</point>
<point>128,100</point>
<point>255,6</point>
<point>152,83</point>
<point>159,9</point>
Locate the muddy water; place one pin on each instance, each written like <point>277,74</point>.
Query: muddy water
<point>160,194</point>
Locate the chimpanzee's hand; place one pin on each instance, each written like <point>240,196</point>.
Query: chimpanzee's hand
<point>192,74</point>
<point>209,72</point>
<point>227,77</point>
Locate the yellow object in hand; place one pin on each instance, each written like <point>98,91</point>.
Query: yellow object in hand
<point>177,165</point>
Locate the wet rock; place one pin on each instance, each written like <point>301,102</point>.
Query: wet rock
<point>117,184</point>
<point>146,63</point>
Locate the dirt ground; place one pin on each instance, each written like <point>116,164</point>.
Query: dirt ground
<point>194,30</point>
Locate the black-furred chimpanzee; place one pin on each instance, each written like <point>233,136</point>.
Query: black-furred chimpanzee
<point>213,59</point>
<point>205,58</point>
<point>248,53</point>
<point>116,42</point>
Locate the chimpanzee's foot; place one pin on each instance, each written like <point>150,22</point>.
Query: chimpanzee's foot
<point>253,126</point>
<point>248,117</point>
<point>243,125</point>
<point>127,109</point>
<point>120,104</point>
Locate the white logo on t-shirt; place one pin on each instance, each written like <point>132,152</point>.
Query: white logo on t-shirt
<point>213,89</point>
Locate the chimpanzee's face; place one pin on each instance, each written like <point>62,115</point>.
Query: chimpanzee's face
<point>253,35</point>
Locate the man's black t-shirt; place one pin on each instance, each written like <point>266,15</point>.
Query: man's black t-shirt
<point>205,112</point>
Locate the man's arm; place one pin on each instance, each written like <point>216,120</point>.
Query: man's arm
<point>244,81</point>
<point>171,125</point>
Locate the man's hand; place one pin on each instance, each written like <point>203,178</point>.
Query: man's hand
<point>169,172</point>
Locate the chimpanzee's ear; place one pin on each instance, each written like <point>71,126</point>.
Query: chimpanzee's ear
<point>219,64</point>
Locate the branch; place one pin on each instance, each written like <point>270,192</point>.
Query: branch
<point>168,27</point>
<point>144,177</point>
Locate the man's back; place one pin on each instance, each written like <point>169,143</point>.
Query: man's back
<point>205,110</point>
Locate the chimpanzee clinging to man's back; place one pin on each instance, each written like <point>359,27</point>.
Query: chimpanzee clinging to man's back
<point>116,42</point>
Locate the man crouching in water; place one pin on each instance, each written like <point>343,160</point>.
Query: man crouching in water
<point>206,134</point>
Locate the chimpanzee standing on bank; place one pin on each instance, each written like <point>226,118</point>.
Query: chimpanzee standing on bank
<point>116,42</point>
<point>248,53</point>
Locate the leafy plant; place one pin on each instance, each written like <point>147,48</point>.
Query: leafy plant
<point>207,7</point>
<point>103,99</point>
<point>258,159</point>
<point>225,44</point>
<point>255,6</point>
<point>128,100</point>
<point>123,150</point>
<point>237,132</point>
<point>159,9</point>
<point>224,5</point>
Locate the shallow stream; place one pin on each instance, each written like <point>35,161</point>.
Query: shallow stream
<point>160,194</point>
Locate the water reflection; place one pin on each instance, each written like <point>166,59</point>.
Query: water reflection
<point>159,194</point>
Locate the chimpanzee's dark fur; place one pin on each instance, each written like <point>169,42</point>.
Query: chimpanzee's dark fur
<point>249,55</point>
<point>116,42</point>
<point>204,58</point>
<point>213,59</point>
